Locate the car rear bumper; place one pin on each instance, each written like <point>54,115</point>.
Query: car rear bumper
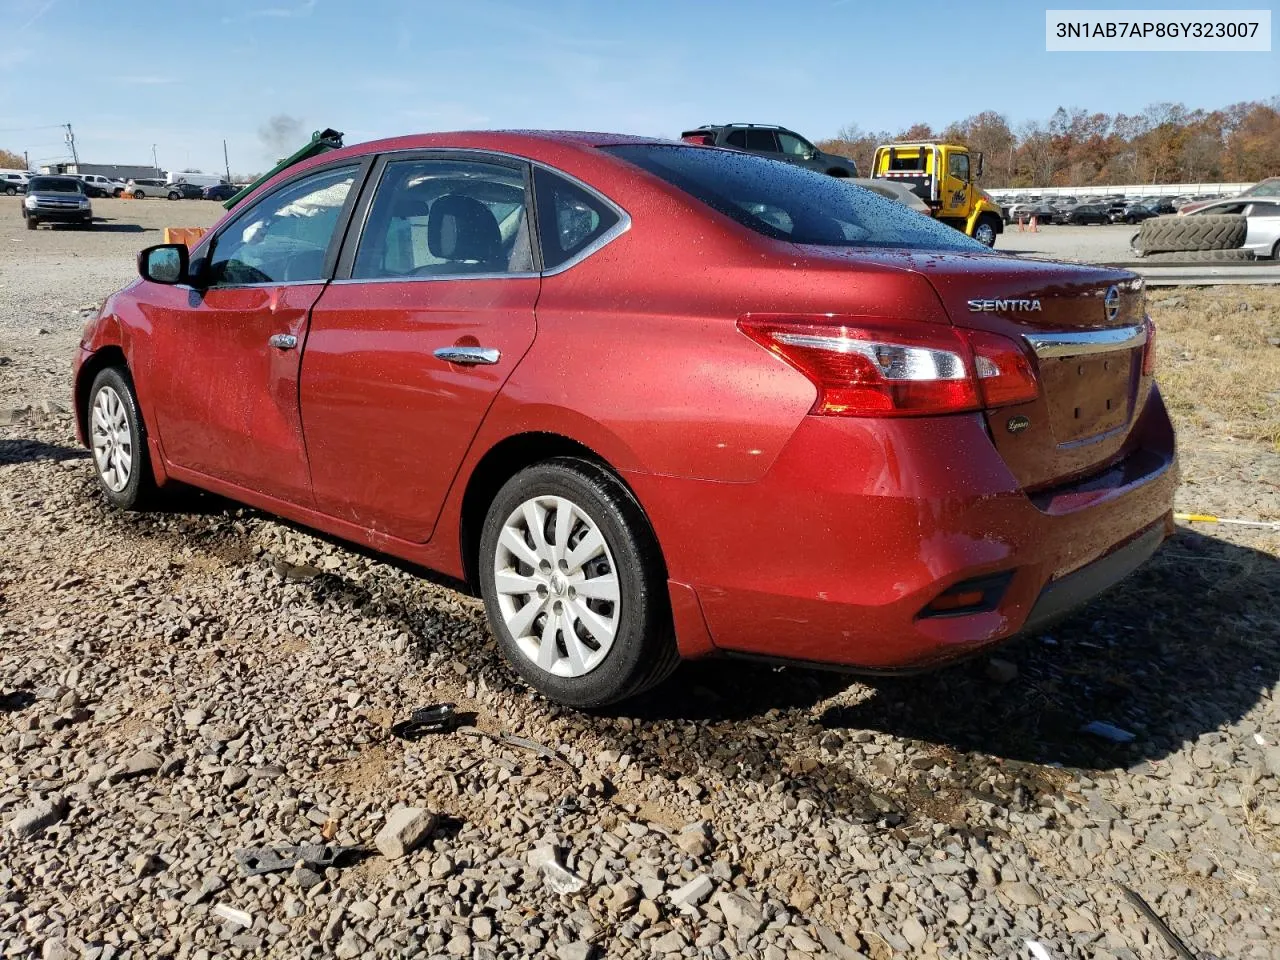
<point>861,525</point>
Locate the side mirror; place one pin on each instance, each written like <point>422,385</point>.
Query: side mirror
<point>165,263</point>
<point>978,175</point>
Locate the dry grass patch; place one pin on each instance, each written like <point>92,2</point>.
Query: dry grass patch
<point>1217,363</point>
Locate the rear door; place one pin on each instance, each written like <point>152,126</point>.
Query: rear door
<point>432,309</point>
<point>224,359</point>
<point>1263,237</point>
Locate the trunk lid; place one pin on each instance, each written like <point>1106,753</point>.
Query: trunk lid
<point>1087,348</point>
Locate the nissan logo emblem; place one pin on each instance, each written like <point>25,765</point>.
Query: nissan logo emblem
<point>1111,303</point>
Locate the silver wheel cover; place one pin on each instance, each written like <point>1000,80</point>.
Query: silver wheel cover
<point>557,586</point>
<point>111,438</point>
<point>985,233</point>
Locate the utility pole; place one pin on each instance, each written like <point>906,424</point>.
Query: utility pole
<point>71,142</point>
<point>154,162</point>
<point>26,161</point>
<point>225,161</point>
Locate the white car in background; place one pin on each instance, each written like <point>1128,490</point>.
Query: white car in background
<point>1262,218</point>
<point>144,187</point>
<point>113,187</point>
<point>11,184</point>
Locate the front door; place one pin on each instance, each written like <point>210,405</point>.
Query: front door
<point>954,187</point>
<point>432,310</point>
<point>224,366</point>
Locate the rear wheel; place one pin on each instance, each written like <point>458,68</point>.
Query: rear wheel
<point>574,585</point>
<point>11,191</point>
<point>118,441</point>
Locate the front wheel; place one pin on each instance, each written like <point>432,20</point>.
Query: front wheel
<point>574,585</point>
<point>139,195</point>
<point>985,232</point>
<point>118,440</point>
<point>175,196</point>
<point>32,223</point>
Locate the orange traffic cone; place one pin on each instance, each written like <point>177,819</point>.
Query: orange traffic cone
<point>1035,228</point>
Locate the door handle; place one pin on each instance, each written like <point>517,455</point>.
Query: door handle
<point>283,341</point>
<point>468,356</point>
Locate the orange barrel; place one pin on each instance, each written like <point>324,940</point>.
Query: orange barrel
<point>188,235</point>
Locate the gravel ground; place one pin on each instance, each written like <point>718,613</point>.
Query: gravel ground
<point>180,685</point>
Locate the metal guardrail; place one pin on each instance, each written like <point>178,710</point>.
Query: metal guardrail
<point>1265,272</point>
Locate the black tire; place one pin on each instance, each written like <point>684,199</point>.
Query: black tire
<point>11,191</point>
<point>643,650</point>
<point>140,491</point>
<point>118,192</point>
<point>1208,232</point>
<point>139,195</point>
<point>174,195</point>
<point>32,223</point>
<point>988,236</point>
<point>1201,256</point>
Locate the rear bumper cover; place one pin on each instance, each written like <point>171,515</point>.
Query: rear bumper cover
<point>859,525</point>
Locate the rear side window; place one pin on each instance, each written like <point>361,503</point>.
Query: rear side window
<point>445,218</point>
<point>569,218</point>
<point>762,140</point>
<point>737,138</point>
<point>787,202</point>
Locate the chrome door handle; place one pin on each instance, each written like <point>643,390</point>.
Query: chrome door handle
<point>283,341</point>
<point>468,356</point>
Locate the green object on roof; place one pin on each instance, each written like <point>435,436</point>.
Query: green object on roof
<point>322,141</point>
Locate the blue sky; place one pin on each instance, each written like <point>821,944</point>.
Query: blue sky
<point>128,74</point>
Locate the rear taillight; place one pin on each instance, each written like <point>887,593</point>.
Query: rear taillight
<point>908,369</point>
<point>1149,349</point>
<point>1004,371</point>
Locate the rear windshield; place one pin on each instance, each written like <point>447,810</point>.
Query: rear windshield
<point>53,185</point>
<point>790,203</point>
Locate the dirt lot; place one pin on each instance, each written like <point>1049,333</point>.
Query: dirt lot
<point>1096,243</point>
<point>178,685</point>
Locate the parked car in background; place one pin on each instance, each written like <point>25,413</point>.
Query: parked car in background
<point>184,191</point>
<point>1085,213</point>
<point>1133,213</point>
<point>221,191</point>
<point>148,187</point>
<point>1262,218</point>
<point>1042,212</point>
<point>777,143</point>
<point>92,189</point>
<point>11,184</point>
<point>1269,187</point>
<point>59,199</point>
<point>938,468</point>
<point>108,186</point>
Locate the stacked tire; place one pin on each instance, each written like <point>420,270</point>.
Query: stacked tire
<point>1215,238</point>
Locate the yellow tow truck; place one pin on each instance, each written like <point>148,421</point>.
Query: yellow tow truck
<point>945,176</point>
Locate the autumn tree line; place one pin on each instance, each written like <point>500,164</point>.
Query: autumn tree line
<point>1165,143</point>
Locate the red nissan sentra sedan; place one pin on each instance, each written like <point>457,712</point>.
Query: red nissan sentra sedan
<point>651,400</point>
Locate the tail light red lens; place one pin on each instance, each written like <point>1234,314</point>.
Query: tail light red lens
<point>908,369</point>
<point>1149,349</point>
<point>1004,370</point>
